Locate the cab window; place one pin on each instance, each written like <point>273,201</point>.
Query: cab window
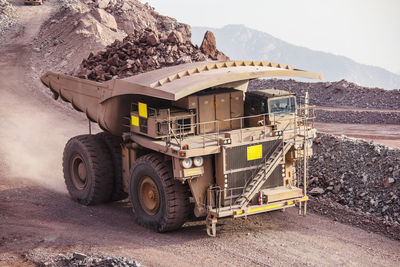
<point>282,105</point>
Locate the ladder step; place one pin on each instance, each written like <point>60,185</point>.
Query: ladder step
<point>260,177</point>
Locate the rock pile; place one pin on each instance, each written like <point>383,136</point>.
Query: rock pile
<point>336,94</point>
<point>82,27</point>
<point>143,51</point>
<point>357,117</point>
<point>80,259</point>
<point>7,15</point>
<point>357,175</point>
<point>342,94</point>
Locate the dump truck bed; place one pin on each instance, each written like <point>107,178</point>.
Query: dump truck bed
<point>108,103</point>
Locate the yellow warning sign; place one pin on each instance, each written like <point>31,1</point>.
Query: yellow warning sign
<point>143,110</point>
<point>135,120</point>
<point>254,152</point>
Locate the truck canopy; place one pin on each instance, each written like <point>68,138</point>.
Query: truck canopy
<point>108,103</point>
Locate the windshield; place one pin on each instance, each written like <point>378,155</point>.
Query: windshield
<point>282,105</point>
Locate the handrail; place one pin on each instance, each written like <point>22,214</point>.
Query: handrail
<point>299,120</point>
<point>265,158</point>
<point>178,131</point>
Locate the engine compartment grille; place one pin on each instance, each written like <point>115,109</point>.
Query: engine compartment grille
<point>237,168</point>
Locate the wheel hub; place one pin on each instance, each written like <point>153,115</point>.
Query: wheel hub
<point>79,173</point>
<point>149,196</point>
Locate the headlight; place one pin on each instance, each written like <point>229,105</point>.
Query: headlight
<point>198,161</point>
<point>227,141</point>
<point>187,163</point>
<point>309,143</point>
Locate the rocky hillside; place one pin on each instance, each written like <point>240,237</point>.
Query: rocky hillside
<point>240,42</point>
<point>375,105</point>
<point>81,27</point>
<point>336,94</point>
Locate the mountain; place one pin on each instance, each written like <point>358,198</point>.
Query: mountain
<point>242,43</point>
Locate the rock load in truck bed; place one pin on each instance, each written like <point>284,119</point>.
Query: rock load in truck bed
<point>145,51</point>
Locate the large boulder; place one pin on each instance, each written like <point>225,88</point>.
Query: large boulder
<point>209,47</point>
<point>209,44</point>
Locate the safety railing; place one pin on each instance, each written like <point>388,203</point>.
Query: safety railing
<point>211,132</point>
<point>231,194</point>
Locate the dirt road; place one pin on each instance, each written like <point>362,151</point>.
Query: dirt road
<point>384,134</point>
<point>37,218</point>
<point>39,221</point>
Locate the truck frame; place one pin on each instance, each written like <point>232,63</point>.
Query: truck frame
<point>190,141</point>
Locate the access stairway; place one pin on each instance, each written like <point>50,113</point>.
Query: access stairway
<point>263,174</point>
<point>267,167</point>
<point>264,171</point>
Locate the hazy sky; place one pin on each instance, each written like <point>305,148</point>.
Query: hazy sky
<point>367,31</point>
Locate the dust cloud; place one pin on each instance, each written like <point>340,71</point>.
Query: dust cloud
<point>32,139</point>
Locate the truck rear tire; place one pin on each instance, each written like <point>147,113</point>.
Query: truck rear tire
<point>113,144</point>
<point>88,169</point>
<point>159,201</point>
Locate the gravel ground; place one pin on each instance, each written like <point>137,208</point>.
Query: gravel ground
<point>7,15</point>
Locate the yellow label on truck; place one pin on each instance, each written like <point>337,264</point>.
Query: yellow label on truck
<point>254,152</point>
<point>135,120</point>
<point>143,110</point>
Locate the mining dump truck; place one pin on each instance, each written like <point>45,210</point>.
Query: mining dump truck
<point>189,141</point>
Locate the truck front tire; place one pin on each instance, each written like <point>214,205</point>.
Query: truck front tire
<point>159,201</point>
<point>88,170</point>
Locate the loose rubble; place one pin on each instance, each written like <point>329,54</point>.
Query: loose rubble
<point>358,176</point>
<point>336,94</point>
<point>357,117</point>
<point>342,94</point>
<point>79,259</point>
<point>7,15</point>
<point>143,51</point>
